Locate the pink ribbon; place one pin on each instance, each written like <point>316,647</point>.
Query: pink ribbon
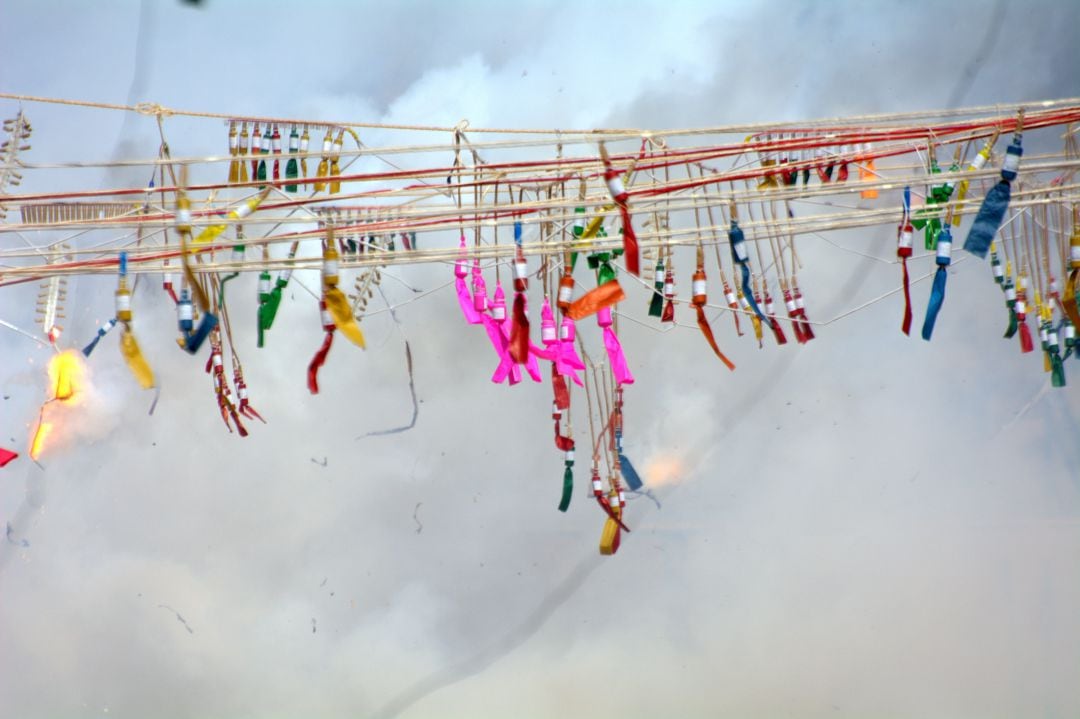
<point>619,367</point>
<point>554,347</point>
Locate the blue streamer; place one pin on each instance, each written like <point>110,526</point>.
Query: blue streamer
<point>633,479</point>
<point>194,340</point>
<point>738,241</point>
<point>994,205</point>
<point>748,293</point>
<point>937,297</point>
<point>102,331</point>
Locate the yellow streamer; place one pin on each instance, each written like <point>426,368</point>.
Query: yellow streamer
<point>340,310</point>
<point>135,360</point>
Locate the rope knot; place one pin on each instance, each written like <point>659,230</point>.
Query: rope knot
<point>153,108</point>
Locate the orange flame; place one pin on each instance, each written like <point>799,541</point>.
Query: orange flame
<point>66,374</point>
<point>664,469</point>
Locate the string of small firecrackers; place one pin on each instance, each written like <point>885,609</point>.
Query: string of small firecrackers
<point>612,500</point>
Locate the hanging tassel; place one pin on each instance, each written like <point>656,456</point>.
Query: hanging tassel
<point>324,163</point>
<point>996,202</point>
<point>739,255</point>
<point>234,152</point>
<point>669,296</point>
<point>244,148</point>
<point>256,140</point>
<point>275,146</point>
<point>519,330</point>
<point>102,331</point>
<point>320,356</point>
<point>291,170</point>
<point>566,290</point>
<point>699,299</point>
<point>617,190</point>
<point>335,168</point>
<point>904,250</point>
<point>656,302</point>
<point>305,142</point>
<point>335,299</point>
<point>937,293</point>
<point>138,365</point>
<point>770,311</point>
<point>619,367</point>
<point>977,164</point>
<point>461,271</point>
<point>1070,306</point>
<point>567,482</point>
<point>1026,343</point>
<point>264,149</point>
<point>800,305</point>
<point>190,339</point>
<point>244,406</point>
<point>479,289</point>
<point>793,314</point>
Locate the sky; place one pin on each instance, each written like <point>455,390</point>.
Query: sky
<point>868,525</point>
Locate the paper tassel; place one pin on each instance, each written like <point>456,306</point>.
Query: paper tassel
<point>617,190</point>
<point>992,212</point>
<point>519,331</point>
<point>339,308</point>
<point>234,152</point>
<point>291,169</point>
<point>245,145</point>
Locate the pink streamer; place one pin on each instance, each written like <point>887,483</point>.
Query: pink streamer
<point>619,367</point>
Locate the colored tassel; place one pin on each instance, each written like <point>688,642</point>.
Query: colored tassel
<point>335,169</point>
<point>669,296</point>
<point>568,481</point>
<point>774,323</point>
<point>977,164</point>
<point>264,149</point>
<point>234,152</point>
<point>1026,343</point>
<point>275,146</point>
<point>324,162</point>
<point>656,302</point>
<point>937,293</point>
<point>243,149</point>
<point>617,190</point>
<point>904,250</point>
<point>291,170</point>
<point>461,271</point>
<point>793,315</point>
<point>138,365</point>
<point>101,332</point>
<point>739,255</point>
<point>699,299</point>
<point>996,202</point>
<point>519,329</point>
<point>320,356</point>
<point>619,367</point>
<point>335,299</point>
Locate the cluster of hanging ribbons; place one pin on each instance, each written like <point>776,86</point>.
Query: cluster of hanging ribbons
<point>625,212</point>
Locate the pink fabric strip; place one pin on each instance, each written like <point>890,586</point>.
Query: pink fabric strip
<point>619,367</point>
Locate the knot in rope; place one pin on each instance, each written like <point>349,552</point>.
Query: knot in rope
<point>153,108</point>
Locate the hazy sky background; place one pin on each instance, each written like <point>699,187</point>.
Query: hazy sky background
<point>869,525</point>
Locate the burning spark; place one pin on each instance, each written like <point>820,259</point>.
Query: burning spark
<point>663,469</point>
<point>42,433</point>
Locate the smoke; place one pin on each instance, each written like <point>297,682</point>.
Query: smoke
<point>867,524</point>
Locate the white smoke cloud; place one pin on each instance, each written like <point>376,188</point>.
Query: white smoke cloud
<point>865,525</point>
